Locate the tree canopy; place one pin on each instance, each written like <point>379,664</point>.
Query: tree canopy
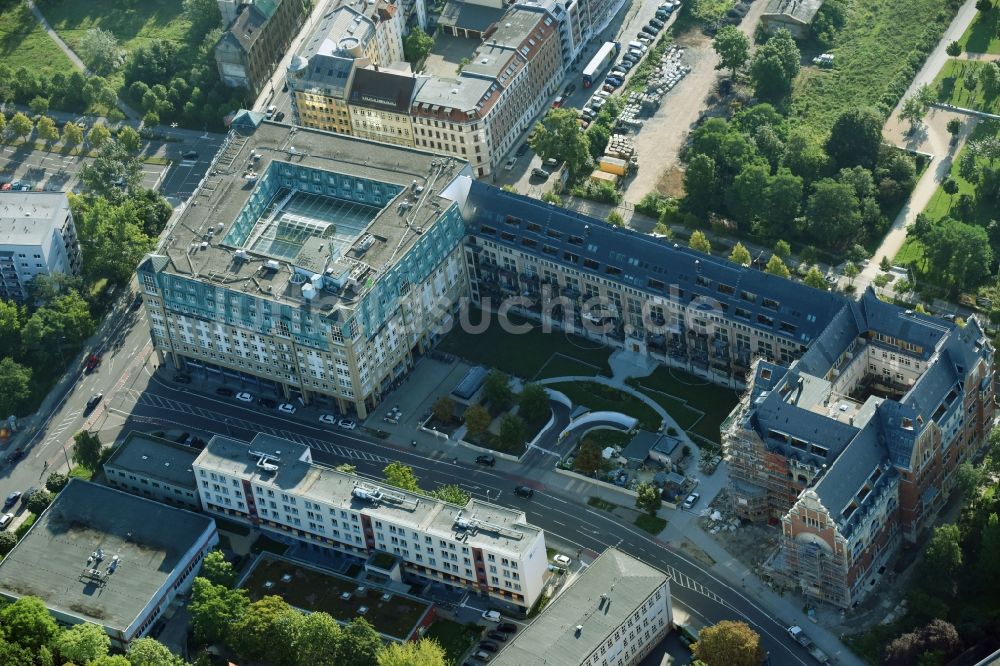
<point>558,136</point>
<point>730,643</point>
<point>87,449</point>
<point>775,65</point>
<point>733,48</point>
<point>425,652</point>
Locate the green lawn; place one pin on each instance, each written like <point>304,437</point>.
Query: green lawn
<point>23,43</point>
<point>981,36</point>
<point>912,252</point>
<point>877,53</point>
<point>698,407</point>
<point>600,503</point>
<point>949,87</point>
<point>455,638</point>
<point>132,22</point>
<point>651,524</point>
<point>602,398</point>
<point>526,355</point>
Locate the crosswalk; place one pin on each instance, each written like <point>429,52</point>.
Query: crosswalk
<point>229,423</point>
<point>682,580</point>
<point>54,433</point>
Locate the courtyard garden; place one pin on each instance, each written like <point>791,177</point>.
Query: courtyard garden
<point>505,421</point>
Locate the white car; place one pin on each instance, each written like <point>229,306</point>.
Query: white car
<point>562,560</point>
<point>6,520</point>
<point>244,397</point>
<point>286,408</point>
<point>328,419</point>
<point>509,165</point>
<point>492,616</point>
<point>347,424</point>
<point>691,500</point>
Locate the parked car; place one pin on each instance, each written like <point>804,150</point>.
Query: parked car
<point>347,424</point>
<point>656,23</point>
<point>486,460</point>
<point>491,615</point>
<point>92,363</point>
<point>227,392</point>
<point>270,403</point>
<point>524,491</point>
<point>497,636</point>
<point>14,456</point>
<point>507,627</point>
<point>483,656</point>
<point>649,30</point>
<point>328,419</point>
<point>279,116</point>
<point>569,90</point>
<point>558,102</point>
<point>488,646</point>
<point>93,402</point>
<point>619,71</point>
<point>521,150</point>
<point>13,497</point>
<point>509,165</point>
<point>562,560</point>
<point>286,408</point>
<point>271,110</point>
<point>6,520</point>
<point>540,173</point>
<point>243,396</point>
<point>691,500</point>
<point>182,379</point>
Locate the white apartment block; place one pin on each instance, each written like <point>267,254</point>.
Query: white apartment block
<point>37,237</point>
<point>273,484</point>
<point>612,614</point>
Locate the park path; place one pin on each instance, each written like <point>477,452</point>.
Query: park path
<point>73,57</point>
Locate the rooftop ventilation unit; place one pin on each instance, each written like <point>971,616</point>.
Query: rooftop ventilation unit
<point>364,244</point>
<point>272,265</point>
<point>474,524</point>
<point>367,492</point>
<point>266,461</point>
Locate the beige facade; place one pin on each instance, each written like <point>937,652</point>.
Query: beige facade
<point>322,112</point>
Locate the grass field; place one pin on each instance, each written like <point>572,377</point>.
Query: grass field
<point>876,57</point>
<point>133,23</point>
<point>981,36</point>
<point>455,638</point>
<point>941,203</point>
<point>651,524</point>
<point>697,406</point>
<point>23,43</point>
<point>949,87</point>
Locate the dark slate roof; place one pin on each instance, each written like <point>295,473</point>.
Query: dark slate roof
<point>918,329</point>
<point>387,91</point>
<point>652,265</point>
<point>638,448</point>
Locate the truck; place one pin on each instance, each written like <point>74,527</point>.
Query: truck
<point>800,637</point>
<point>600,62</point>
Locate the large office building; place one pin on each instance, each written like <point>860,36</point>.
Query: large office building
<point>37,237</point>
<point>272,484</point>
<point>257,35</point>
<point>322,266</point>
<point>156,468</point>
<point>612,614</point>
<point>103,556</point>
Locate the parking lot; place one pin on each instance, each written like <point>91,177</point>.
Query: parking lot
<point>42,170</point>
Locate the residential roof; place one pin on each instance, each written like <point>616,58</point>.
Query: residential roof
<point>469,16</point>
<point>551,638</point>
<point>327,55</point>
<point>150,538</point>
<point>250,23</point>
<point>639,447</point>
<point>157,458</point>
<point>384,90</point>
<point>297,473</point>
<point>28,218</point>
<point>465,94</point>
<point>801,11</point>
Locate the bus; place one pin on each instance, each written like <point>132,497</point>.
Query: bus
<point>600,62</point>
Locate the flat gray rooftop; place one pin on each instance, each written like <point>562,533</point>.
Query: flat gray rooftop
<point>150,538</point>
<point>156,458</point>
<point>27,218</point>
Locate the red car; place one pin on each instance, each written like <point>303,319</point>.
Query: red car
<point>93,361</point>
<point>558,102</point>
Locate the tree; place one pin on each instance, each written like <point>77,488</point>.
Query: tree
<point>950,187</point>
<point>82,643</point>
<point>647,498</point>
<point>112,660</point>
<point>533,403</point>
<point>346,468</point>
<point>782,201</point>
<point>728,642</point>
<point>851,271</point>
<point>56,481</point>
<point>425,652</point>
<point>954,126</point>
<point>360,644</point>
<point>115,238</point>
<point>775,266</point>
<point>217,570</point>
<point>7,542</point>
<point>28,623</point>
<point>699,242</point>
<point>318,641</point>
<point>443,409</point>
<point>740,255</point>
<point>938,638</point>
<point>451,493</point>
<point>98,136</point>
<point>203,14</point>
<point>588,456</point>
<point>558,136</point>
<point>984,5</point>
<point>3,121</point>
<point>961,253</point>
<point>400,475</point>
<point>913,111</point>
<point>989,79</point>
<point>215,609</point>
<point>954,49</point>
<point>700,184</point>
<point>885,264</point>
<point>416,46</point>
<point>615,219</point>
<point>151,652</point>
<point>855,138</point>
<point>114,170</point>
<point>477,420</point>
<point>39,500</point>
<point>943,558</point>
<point>47,130</point>
<point>87,450</point>
<point>265,631</point>
<point>129,140</point>
<point>15,387</point>
<point>744,198</point>
<point>733,48</point>
<point>783,249</point>
<point>497,391</point>
<point>987,564</point>
<point>21,125</point>
<point>99,50</point>
<point>775,65</point>
<point>39,105</point>
<point>72,135</point>
<point>834,212</point>
<point>150,119</point>
<point>512,432</point>
<point>66,320</point>
<point>12,318</point>
<point>815,279</point>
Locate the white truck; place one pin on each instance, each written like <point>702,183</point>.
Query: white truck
<point>800,637</point>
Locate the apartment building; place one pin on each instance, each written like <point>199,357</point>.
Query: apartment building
<point>313,265</point>
<point>854,447</point>
<point>379,105</point>
<point>449,118</point>
<point>612,614</point>
<point>156,468</point>
<point>37,237</point>
<point>257,35</point>
<point>272,484</point>
<point>346,37</point>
